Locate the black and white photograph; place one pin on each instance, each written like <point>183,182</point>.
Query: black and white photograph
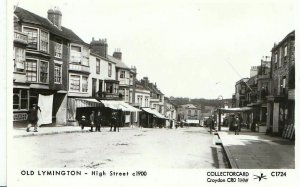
<point>151,93</point>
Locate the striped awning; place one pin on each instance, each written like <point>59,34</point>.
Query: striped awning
<point>119,105</point>
<point>154,112</point>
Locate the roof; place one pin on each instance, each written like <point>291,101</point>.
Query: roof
<point>189,106</point>
<point>243,80</point>
<point>31,18</point>
<point>119,63</point>
<point>290,35</point>
<point>154,89</point>
<point>139,85</point>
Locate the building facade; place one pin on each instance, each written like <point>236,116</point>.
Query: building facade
<point>41,57</point>
<point>281,100</point>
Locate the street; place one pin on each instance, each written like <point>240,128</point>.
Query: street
<point>182,148</point>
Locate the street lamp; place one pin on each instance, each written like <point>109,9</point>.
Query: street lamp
<point>220,98</point>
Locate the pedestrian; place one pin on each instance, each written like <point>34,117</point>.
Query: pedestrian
<point>92,120</point>
<point>98,121</point>
<point>209,122</point>
<point>33,117</point>
<point>83,122</point>
<point>237,126</point>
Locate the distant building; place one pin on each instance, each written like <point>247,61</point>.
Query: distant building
<point>170,113</point>
<point>239,97</point>
<point>189,112</point>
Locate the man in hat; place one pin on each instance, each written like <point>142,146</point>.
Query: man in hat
<point>83,122</point>
<point>33,117</point>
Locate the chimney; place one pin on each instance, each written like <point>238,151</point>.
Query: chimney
<point>54,15</point>
<point>99,47</point>
<point>117,54</point>
<point>145,81</point>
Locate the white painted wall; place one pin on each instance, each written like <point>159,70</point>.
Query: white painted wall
<point>103,71</point>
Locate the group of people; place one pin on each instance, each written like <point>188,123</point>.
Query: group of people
<point>96,119</point>
<point>234,123</point>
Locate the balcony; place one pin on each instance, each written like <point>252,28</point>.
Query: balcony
<point>79,68</point>
<point>20,37</point>
<point>124,82</point>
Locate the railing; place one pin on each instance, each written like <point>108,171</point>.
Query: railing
<point>20,37</point>
<point>79,67</point>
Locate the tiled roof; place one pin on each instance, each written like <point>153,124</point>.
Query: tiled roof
<point>29,17</point>
<point>119,63</point>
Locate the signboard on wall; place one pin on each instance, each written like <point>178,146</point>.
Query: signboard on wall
<point>20,116</point>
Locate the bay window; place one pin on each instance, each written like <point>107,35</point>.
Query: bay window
<point>75,54</point>
<point>75,83</point>
<point>19,59</point>
<point>122,74</point>
<point>84,84</point>
<point>44,41</point>
<point>85,56</point>
<point>43,71</point>
<point>57,73</point>
<point>32,37</point>
<point>78,83</point>
<point>31,70</point>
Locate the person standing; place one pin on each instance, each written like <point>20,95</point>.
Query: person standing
<point>209,122</point>
<point>33,117</point>
<point>92,120</point>
<point>98,121</point>
<point>237,126</point>
<point>83,122</point>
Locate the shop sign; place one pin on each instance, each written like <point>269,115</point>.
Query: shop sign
<point>20,116</point>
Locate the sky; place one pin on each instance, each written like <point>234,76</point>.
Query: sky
<point>190,48</point>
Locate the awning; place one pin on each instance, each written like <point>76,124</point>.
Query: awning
<point>154,112</point>
<point>192,121</point>
<point>86,102</point>
<point>242,109</point>
<point>119,105</point>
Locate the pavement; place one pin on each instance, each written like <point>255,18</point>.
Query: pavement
<point>253,150</point>
<point>21,132</point>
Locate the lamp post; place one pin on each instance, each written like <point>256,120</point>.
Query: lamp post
<point>220,98</point>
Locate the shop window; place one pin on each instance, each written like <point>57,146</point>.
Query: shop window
<point>20,99</point>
